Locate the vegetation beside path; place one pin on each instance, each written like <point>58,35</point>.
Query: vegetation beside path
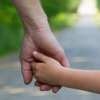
<point>61,14</point>
<point>97,16</point>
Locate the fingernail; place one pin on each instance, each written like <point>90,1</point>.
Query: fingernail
<point>35,53</point>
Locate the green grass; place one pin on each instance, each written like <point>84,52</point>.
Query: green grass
<point>60,15</point>
<point>10,40</point>
<point>97,18</point>
<point>11,37</point>
<point>63,20</point>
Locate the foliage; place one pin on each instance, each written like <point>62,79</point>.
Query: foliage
<point>10,28</point>
<point>59,14</point>
<point>62,20</point>
<point>98,4</point>
<point>54,7</point>
<point>97,16</point>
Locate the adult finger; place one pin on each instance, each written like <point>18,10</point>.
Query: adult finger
<point>37,83</point>
<point>26,72</point>
<point>61,57</point>
<point>45,87</point>
<point>55,89</point>
<point>65,63</point>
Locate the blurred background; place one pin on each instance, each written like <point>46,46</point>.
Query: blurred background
<point>76,25</point>
<point>60,14</point>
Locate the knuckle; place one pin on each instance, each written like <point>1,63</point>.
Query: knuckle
<point>37,76</point>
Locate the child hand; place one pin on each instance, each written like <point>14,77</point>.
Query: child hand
<point>48,70</point>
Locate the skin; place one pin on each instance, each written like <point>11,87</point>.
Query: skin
<point>51,72</point>
<point>37,37</point>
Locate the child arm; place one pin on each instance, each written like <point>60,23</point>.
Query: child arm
<point>51,72</point>
<point>81,79</point>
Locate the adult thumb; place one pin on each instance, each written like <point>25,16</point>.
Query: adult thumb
<point>39,56</point>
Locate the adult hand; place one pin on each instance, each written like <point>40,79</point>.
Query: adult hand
<point>37,37</point>
<point>41,40</point>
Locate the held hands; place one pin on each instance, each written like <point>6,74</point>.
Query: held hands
<point>42,41</point>
<point>47,71</point>
<point>37,37</point>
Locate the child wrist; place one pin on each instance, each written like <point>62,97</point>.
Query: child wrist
<point>62,77</point>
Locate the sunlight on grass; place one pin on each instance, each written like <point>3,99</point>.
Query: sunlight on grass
<point>63,20</point>
<point>60,15</point>
<point>97,18</point>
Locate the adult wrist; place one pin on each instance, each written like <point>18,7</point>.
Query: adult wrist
<point>32,25</point>
<point>31,14</point>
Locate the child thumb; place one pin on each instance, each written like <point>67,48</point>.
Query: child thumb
<point>39,56</point>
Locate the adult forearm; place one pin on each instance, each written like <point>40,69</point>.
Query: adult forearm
<point>31,13</point>
<point>83,80</point>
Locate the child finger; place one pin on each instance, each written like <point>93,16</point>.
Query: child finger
<point>40,56</point>
<point>33,65</point>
